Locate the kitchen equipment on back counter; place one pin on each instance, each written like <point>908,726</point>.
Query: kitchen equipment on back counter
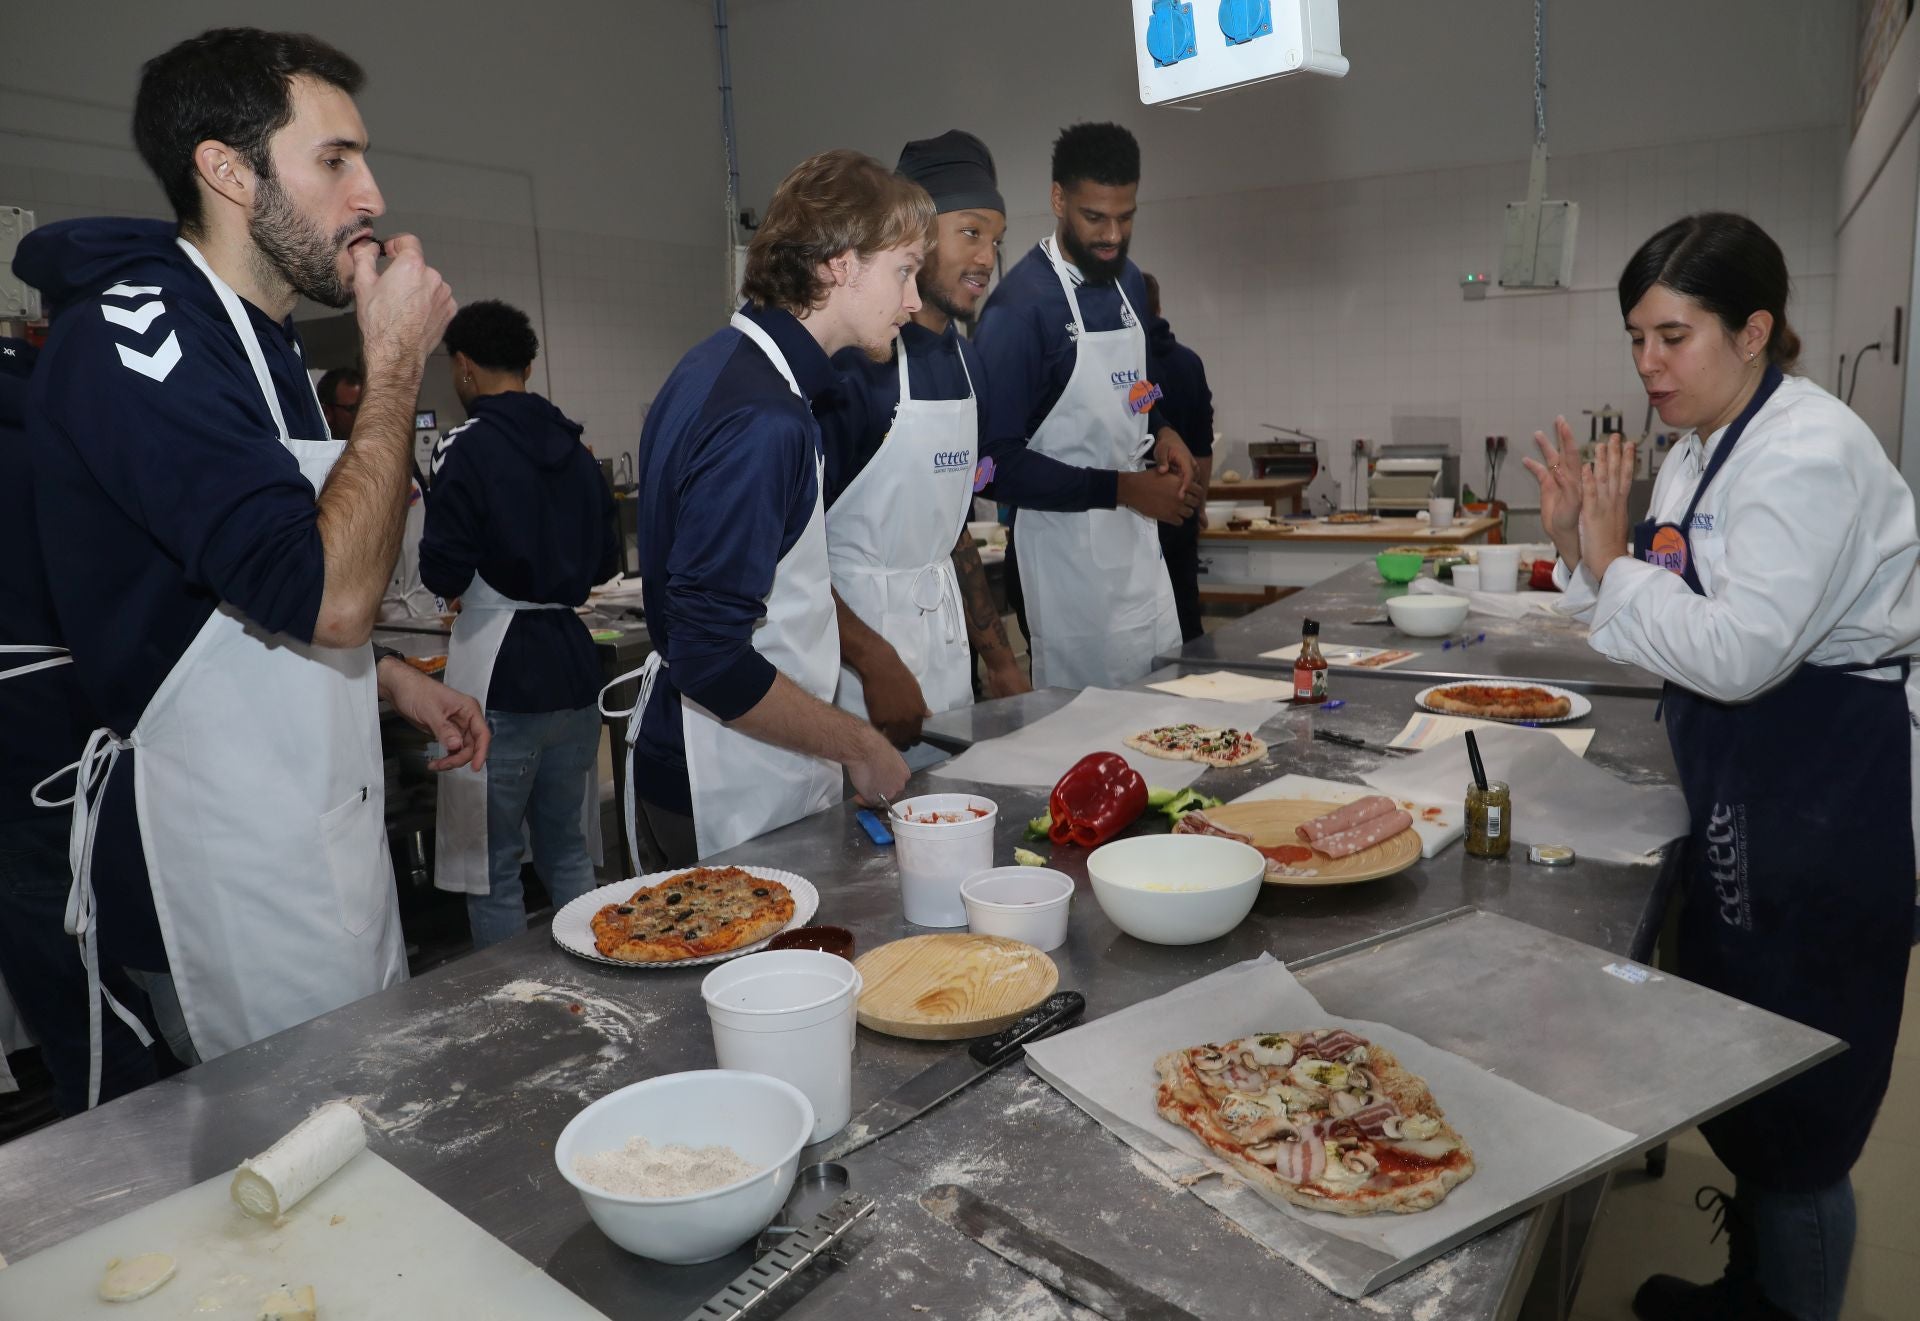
<point>1301,457</point>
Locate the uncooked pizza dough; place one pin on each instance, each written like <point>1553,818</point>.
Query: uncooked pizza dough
<point>135,1277</point>
<point>290,1302</point>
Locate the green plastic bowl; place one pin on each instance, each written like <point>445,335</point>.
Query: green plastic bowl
<point>1398,568</point>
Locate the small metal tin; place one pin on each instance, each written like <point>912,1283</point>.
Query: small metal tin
<point>1551,855</point>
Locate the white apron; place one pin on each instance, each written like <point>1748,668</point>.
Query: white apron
<point>890,539</point>
<point>460,818</point>
<point>406,596</point>
<point>1099,602</point>
<point>261,807</point>
<point>741,786</point>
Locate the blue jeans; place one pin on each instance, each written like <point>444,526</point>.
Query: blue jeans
<point>1804,1244</point>
<point>41,965</point>
<point>537,774</point>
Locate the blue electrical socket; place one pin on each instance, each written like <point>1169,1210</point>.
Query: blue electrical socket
<point>1170,34</point>
<point>1243,20</point>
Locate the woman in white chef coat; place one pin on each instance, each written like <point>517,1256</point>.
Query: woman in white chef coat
<point>1774,589</point>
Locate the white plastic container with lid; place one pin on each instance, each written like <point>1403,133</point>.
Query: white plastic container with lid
<point>940,840</point>
<point>1021,903</point>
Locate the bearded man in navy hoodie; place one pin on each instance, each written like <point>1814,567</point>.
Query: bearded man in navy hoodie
<point>520,524</point>
<point>216,559</point>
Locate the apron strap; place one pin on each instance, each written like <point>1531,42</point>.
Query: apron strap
<point>900,352</point>
<point>1048,246</point>
<point>58,655</point>
<point>248,340</point>
<point>90,776</point>
<point>648,671</point>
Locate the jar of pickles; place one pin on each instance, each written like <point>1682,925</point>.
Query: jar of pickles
<point>1489,819</point>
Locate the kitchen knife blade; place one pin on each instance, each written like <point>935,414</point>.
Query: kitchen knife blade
<point>936,1083</point>
<point>1094,1286</point>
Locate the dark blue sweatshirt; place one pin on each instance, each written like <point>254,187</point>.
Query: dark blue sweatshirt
<point>43,723</point>
<point>516,498</point>
<point>1186,402</point>
<point>161,490</point>
<point>1025,336</point>
<point>727,486</point>
<point>855,422</point>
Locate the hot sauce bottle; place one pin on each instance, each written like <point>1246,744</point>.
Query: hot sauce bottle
<point>1310,669</point>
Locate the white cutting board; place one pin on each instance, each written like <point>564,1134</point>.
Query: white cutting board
<point>1437,824</point>
<point>371,1242</point>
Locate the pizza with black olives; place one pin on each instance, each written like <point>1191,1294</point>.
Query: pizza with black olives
<point>708,910</point>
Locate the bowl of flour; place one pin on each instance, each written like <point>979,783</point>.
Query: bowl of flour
<point>686,1167</point>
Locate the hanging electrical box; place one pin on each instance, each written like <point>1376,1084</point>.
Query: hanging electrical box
<point>17,297</point>
<point>1180,54</point>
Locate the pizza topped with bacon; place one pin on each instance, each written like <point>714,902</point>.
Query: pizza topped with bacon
<point>1324,1119</point>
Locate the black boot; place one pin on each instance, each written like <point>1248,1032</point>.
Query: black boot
<point>1735,1296</point>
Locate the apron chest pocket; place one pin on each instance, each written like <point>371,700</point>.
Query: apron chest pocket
<point>351,838</point>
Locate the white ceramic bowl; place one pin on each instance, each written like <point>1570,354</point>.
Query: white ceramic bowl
<point>1219,511</point>
<point>1176,889</point>
<point>1021,903</point>
<point>1427,616</point>
<point>767,1121</point>
<point>1253,509</point>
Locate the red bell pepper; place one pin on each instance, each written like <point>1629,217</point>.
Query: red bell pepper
<point>1096,799</point>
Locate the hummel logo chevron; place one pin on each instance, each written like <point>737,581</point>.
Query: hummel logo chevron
<point>155,365</point>
<point>131,290</point>
<point>136,320</point>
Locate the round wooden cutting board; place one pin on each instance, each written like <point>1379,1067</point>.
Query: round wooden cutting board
<point>943,988</point>
<point>1272,823</point>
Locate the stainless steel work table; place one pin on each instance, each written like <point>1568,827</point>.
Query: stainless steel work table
<point>1537,648</point>
<point>470,1088</point>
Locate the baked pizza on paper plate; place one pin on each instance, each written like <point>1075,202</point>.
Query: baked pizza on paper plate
<point>1511,702</point>
<point>1323,1118</point>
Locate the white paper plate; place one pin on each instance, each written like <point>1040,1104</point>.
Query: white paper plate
<point>573,925</point>
<point>1581,706</point>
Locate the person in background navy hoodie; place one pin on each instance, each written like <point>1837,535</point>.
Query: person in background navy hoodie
<point>1188,408</point>
<point>520,526</point>
<point>46,725</point>
<point>216,560</point>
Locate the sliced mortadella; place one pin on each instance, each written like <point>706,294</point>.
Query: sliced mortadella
<point>1344,819</point>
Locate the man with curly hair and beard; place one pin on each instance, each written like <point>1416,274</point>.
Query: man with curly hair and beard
<point>217,559</point>
<point>1065,345</point>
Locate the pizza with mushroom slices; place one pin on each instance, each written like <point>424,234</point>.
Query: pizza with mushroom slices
<point>1228,747</point>
<point>1173,742</point>
<point>1325,1119</point>
<point>708,910</point>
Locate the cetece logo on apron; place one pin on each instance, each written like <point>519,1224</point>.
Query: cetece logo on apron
<point>1142,394</point>
<point>1727,863</point>
<point>952,460</point>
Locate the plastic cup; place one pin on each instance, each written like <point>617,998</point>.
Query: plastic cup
<point>1466,577</point>
<point>1440,512</point>
<point>1499,568</point>
<point>789,1014</point>
<point>936,855</point>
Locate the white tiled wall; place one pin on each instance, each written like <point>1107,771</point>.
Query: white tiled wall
<point>1334,307</point>
<point>614,314</point>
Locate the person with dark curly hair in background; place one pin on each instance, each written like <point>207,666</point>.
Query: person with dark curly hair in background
<point>519,527</point>
<point>735,731</point>
<point>1074,378</point>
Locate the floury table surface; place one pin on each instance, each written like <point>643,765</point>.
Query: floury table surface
<point>1537,648</point>
<point>469,1073</point>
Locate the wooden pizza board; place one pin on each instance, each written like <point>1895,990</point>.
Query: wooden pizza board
<point>943,988</point>
<point>1272,823</point>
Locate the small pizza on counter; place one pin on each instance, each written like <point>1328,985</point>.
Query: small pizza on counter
<point>1212,747</point>
<point>1323,1118</point>
<point>707,910</point>
<point>1499,702</point>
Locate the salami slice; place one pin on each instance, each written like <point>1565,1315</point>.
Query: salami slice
<point>1375,830</point>
<point>1196,823</point>
<point>1345,818</point>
